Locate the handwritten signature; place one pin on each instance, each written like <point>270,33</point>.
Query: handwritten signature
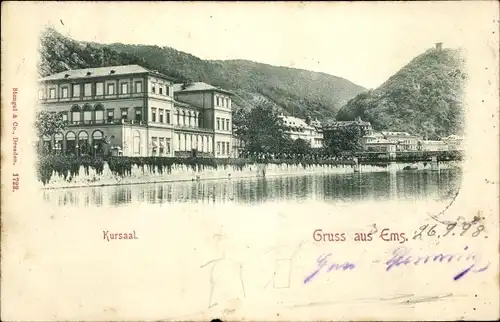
<point>402,256</point>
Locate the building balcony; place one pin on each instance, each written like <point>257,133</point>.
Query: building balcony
<point>47,100</point>
<point>106,122</point>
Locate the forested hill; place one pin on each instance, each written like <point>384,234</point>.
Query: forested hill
<point>424,97</point>
<point>298,92</point>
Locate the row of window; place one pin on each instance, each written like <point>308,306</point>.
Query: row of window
<point>222,124</point>
<point>97,114</point>
<point>188,142</point>
<point>163,117</point>
<point>222,101</point>
<point>223,148</point>
<point>161,89</point>
<point>88,90</point>
<point>160,145</point>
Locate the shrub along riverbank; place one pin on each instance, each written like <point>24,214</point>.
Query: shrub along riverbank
<point>68,166</point>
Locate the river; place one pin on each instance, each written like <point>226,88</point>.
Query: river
<point>401,185</point>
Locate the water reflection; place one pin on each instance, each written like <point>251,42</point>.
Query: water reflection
<point>330,188</point>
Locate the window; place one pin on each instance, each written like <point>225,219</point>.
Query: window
<point>161,115</point>
<point>137,142</point>
<point>227,125</point>
<point>65,117</point>
<point>75,114</point>
<point>183,117</point>
<point>223,148</point>
<point>124,88</point>
<point>52,93</point>
<point>124,113</point>
<point>218,148</point>
<point>178,118</point>
<point>167,145</point>
<point>227,102</point>
<point>64,93</point>
<point>138,87</point>
<point>218,123</point>
<point>76,90</point>
<point>87,114</point>
<point>110,116</point>
<point>99,88</point>
<point>160,88</point>
<point>154,143</point>
<point>162,145</point>
<point>111,89</point>
<point>228,150</point>
<point>167,114</point>
<point>153,88</point>
<point>217,101</point>
<point>168,91</point>
<point>222,124</point>
<point>99,114</point>
<point>138,114</point>
<point>87,89</point>
<point>153,114</point>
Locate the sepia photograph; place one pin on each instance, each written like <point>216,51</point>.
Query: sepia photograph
<point>247,161</point>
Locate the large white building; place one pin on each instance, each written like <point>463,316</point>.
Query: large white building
<point>309,131</point>
<point>132,111</point>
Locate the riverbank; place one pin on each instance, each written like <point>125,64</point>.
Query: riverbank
<point>88,177</point>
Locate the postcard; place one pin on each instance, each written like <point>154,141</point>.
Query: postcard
<point>250,161</point>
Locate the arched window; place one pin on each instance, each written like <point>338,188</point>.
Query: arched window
<point>137,142</point>
<point>75,114</point>
<point>83,142</point>
<point>189,118</point>
<point>87,114</point>
<point>70,143</point>
<point>98,142</point>
<point>99,113</point>
<point>178,117</point>
<point>195,122</point>
<point>183,117</point>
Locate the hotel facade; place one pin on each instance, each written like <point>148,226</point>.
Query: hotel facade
<point>132,111</point>
<point>307,130</point>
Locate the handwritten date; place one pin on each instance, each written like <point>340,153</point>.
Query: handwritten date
<point>441,230</point>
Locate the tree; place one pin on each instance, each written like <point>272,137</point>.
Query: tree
<point>49,123</point>
<point>300,146</point>
<point>261,130</point>
<point>344,139</point>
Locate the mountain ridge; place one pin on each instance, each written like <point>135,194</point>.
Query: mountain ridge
<point>426,97</point>
<point>298,92</point>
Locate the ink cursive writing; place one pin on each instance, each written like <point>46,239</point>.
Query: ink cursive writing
<point>322,262</point>
<point>403,256</point>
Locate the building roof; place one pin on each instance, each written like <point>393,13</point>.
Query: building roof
<point>396,133</point>
<point>293,121</point>
<point>101,72</point>
<point>357,121</point>
<point>196,87</point>
<point>380,141</point>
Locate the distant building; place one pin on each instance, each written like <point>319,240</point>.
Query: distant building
<point>308,130</point>
<point>333,126</point>
<point>454,142</point>
<point>376,142</point>
<point>404,141</point>
<point>132,111</point>
<point>433,145</point>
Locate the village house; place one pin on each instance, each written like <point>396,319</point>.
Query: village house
<point>132,111</point>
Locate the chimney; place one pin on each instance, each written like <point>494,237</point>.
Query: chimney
<point>439,46</point>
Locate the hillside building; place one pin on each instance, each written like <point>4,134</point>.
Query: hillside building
<point>132,111</point>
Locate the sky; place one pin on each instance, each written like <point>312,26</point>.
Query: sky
<point>365,42</point>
